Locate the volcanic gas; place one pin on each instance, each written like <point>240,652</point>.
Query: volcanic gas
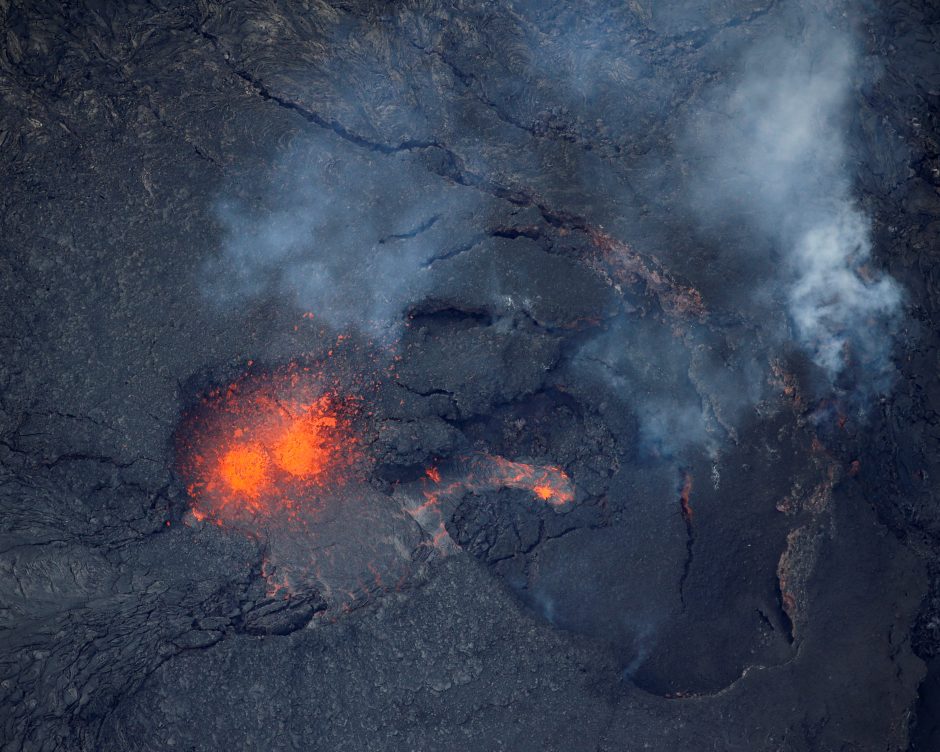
<point>262,446</point>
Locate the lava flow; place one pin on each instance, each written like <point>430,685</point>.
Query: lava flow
<point>257,448</point>
<point>276,456</point>
<point>481,473</point>
<point>548,482</point>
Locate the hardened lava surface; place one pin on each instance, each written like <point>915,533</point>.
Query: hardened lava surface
<point>423,376</point>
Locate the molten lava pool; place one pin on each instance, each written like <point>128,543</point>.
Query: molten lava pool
<point>264,445</point>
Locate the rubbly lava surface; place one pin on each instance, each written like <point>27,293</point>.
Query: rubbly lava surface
<point>479,376</point>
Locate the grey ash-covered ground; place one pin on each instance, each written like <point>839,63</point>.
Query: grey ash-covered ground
<point>579,237</point>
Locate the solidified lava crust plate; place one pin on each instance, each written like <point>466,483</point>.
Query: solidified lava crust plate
<point>479,376</point>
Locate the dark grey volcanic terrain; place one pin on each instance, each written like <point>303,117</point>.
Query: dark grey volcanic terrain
<point>625,316</point>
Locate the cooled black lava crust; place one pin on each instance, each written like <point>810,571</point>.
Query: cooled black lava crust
<point>487,204</point>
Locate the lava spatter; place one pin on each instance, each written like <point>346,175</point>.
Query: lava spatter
<point>279,456</point>
<point>261,446</point>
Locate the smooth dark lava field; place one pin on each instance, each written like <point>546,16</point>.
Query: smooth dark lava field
<point>516,375</point>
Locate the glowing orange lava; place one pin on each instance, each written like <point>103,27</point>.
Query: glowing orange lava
<point>303,449</point>
<point>245,469</point>
<point>543,492</point>
<point>548,482</point>
<point>260,446</point>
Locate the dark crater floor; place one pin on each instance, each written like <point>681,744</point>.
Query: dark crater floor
<point>469,376</point>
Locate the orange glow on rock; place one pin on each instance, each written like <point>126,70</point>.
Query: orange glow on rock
<point>685,497</point>
<point>480,473</point>
<point>543,492</point>
<point>548,482</point>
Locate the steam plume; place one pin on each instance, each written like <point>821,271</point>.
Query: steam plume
<point>774,147</point>
<point>335,233</point>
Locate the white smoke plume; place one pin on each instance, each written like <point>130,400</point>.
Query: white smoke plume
<point>345,236</point>
<point>775,154</point>
<point>834,302</point>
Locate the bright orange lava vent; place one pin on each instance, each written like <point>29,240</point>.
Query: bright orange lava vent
<point>260,446</point>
